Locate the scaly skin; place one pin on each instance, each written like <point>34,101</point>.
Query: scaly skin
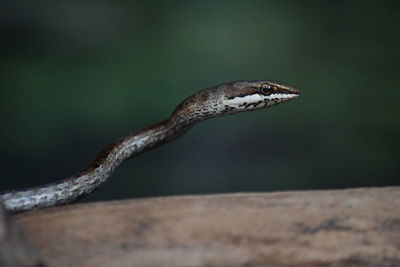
<point>212,102</point>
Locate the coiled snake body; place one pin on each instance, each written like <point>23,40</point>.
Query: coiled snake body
<point>212,102</point>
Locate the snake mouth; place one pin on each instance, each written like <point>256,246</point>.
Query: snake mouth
<point>297,94</point>
<point>289,91</point>
<point>283,88</point>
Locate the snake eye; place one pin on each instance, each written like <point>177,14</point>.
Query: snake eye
<point>266,89</point>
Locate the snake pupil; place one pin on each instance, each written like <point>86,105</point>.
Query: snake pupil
<point>266,89</point>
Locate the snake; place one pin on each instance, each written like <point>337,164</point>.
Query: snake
<point>224,99</point>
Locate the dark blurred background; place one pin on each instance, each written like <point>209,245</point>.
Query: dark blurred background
<point>77,75</point>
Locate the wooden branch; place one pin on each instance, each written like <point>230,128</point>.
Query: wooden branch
<point>15,248</point>
<point>357,227</point>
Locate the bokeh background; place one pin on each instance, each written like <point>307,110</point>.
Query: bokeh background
<point>77,75</point>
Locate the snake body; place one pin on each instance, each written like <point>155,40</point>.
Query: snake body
<point>225,99</point>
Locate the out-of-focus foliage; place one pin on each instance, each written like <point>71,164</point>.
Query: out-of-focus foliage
<point>77,75</point>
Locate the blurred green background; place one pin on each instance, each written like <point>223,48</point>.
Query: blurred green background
<point>77,75</point>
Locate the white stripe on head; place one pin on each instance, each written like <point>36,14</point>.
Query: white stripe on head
<point>248,99</point>
<point>280,96</point>
<point>256,100</point>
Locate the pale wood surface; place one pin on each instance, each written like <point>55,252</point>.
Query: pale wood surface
<point>15,248</point>
<point>357,227</point>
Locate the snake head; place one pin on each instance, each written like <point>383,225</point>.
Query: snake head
<point>234,97</point>
<point>253,95</point>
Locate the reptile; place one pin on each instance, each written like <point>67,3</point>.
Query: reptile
<point>225,99</point>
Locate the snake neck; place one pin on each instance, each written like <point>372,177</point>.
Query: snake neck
<point>88,180</point>
<point>137,142</point>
